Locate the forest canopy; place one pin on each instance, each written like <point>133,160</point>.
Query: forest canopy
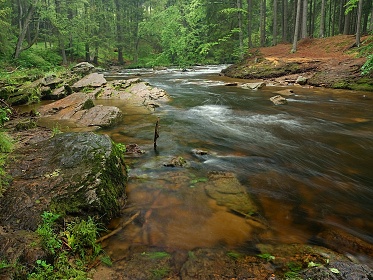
<point>40,33</point>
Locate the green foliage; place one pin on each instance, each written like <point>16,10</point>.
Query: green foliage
<point>121,147</point>
<point>39,57</point>
<point>56,130</point>
<point>367,68</point>
<point>234,255</point>
<point>81,235</point>
<point>4,115</point>
<point>156,255</point>
<point>4,264</point>
<point>6,146</point>
<point>160,273</point>
<point>268,257</point>
<point>71,248</point>
<point>46,230</point>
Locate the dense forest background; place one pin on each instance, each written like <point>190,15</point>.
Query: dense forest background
<point>44,33</point>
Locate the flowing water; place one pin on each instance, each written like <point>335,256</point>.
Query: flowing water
<point>308,165</point>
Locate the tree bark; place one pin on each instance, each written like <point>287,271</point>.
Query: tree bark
<point>24,24</point>
<point>304,19</point>
<point>240,34</point>
<point>285,20</point>
<point>297,25</point>
<point>358,22</point>
<point>262,23</point>
<point>274,41</point>
<point>249,22</point>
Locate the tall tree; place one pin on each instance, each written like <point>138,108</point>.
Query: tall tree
<point>26,13</point>
<point>249,22</point>
<point>297,25</point>
<point>322,19</point>
<point>358,22</point>
<point>304,19</point>
<point>263,12</point>
<point>274,35</point>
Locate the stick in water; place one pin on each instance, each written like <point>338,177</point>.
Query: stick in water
<point>156,133</point>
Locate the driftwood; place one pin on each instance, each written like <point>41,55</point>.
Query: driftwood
<point>156,133</point>
<point>118,229</point>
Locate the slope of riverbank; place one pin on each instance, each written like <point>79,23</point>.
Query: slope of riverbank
<point>329,62</point>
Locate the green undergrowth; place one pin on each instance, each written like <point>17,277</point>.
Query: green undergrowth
<point>71,246</point>
<point>6,146</point>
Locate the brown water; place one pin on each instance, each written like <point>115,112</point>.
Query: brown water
<point>308,165</point>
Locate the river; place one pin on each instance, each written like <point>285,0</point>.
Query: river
<point>308,165</point>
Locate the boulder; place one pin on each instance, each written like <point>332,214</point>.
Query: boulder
<point>83,68</point>
<point>254,86</point>
<point>92,80</point>
<point>72,174</point>
<point>301,80</point>
<point>73,110</point>
<point>278,100</point>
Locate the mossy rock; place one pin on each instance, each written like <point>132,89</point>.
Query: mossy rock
<point>72,174</point>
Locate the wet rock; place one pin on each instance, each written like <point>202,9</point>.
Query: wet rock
<point>92,80</point>
<point>133,150</point>
<point>286,92</point>
<point>83,68</point>
<point>278,100</point>
<point>98,116</point>
<point>71,109</point>
<point>51,81</point>
<point>15,247</point>
<point>254,86</point>
<point>176,162</point>
<point>205,263</point>
<point>339,270</point>
<point>78,174</point>
<point>225,188</point>
<point>301,80</point>
<point>136,92</point>
<point>343,242</point>
<point>231,84</point>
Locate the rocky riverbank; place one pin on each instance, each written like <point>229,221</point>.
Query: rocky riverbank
<point>83,174</point>
<point>326,62</point>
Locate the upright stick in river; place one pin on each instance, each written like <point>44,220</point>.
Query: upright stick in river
<point>156,133</point>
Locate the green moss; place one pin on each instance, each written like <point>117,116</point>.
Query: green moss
<point>88,104</point>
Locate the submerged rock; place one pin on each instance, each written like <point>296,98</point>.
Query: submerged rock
<point>78,174</point>
<point>225,188</point>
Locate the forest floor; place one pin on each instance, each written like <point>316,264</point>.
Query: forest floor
<point>332,62</point>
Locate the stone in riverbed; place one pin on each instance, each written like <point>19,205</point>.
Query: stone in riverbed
<point>225,188</point>
<point>71,109</point>
<point>278,100</point>
<point>77,174</point>
<point>92,80</point>
<point>254,86</point>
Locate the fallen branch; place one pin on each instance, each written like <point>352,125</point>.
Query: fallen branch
<point>118,229</point>
<point>156,133</point>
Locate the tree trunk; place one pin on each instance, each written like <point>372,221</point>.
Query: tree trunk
<point>87,53</point>
<point>249,22</point>
<point>358,22</point>
<point>285,20</point>
<point>296,29</point>
<point>263,23</point>
<point>23,27</point>
<point>304,19</point>
<point>346,28</point>
<point>274,41</point>
<point>240,34</point>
